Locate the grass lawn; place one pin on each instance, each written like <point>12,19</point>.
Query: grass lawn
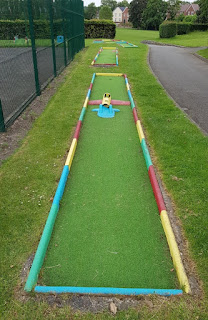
<point>192,39</point>
<point>203,53</point>
<point>29,179</point>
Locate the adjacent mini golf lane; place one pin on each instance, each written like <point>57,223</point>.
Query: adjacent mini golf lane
<point>107,56</point>
<point>108,231</point>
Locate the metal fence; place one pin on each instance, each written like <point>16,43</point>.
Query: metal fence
<point>38,39</point>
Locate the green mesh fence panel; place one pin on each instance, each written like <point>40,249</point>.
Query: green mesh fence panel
<point>38,39</point>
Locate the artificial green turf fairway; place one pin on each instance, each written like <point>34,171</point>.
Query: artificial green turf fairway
<point>106,56</point>
<point>126,45</point>
<point>108,231</point>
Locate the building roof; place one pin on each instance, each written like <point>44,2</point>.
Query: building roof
<point>195,6</point>
<point>185,7</point>
<point>121,8</point>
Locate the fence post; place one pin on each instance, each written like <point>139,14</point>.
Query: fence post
<point>35,64</point>
<point>64,31</point>
<point>83,38</point>
<point>50,7</point>
<point>2,125</point>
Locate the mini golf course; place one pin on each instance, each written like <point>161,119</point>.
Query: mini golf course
<point>106,57</point>
<point>126,44</point>
<point>108,237</point>
<point>122,43</point>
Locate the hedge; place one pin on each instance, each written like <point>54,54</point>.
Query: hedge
<point>9,29</point>
<point>167,30</point>
<point>198,26</point>
<point>183,28</point>
<point>170,29</point>
<point>93,29</point>
<point>100,29</point>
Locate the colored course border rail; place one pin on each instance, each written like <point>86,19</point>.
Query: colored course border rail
<point>44,241</point>
<point>94,64</point>
<point>104,40</point>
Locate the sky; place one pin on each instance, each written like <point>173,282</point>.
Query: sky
<point>98,2</point>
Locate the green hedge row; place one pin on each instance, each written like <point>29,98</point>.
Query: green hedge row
<point>169,29</point>
<point>183,28</point>
<point>93,29</point>
<point>9,29</point>
<point>100,29</point>
<point>198,26</point>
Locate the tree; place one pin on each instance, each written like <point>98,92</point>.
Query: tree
<point>123,3</point>
<point>154,14</point>
<point>105,13</point>
<point>173,8</point>
<point>202,14</point>
<point>109,3</point>
<point>90,11</point>
<point>180,17</point>
<point>135,12</point>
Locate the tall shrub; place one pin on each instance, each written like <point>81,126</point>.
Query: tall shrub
<point>183,28</point>
<point>167,30</point>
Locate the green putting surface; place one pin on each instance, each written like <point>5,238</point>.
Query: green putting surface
<point>107,56</point>
<point>108,231</point>
<point>126,45</point>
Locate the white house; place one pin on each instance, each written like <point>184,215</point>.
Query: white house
<point>121,14</point>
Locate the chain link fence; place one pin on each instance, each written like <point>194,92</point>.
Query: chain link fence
<point>38,39</point>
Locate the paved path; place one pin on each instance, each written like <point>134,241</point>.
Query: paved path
<point>185,78</point>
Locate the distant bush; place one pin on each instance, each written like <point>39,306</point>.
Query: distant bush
<point>93,29</point>
<point>167,29</point>
<point>190,18</point>
<point>183,28</point>
<point>100,29</point>
<point>11,28</point>
<point>180,18</point>
<point>199,26</point>
<point>170,29</point>
<point>125,25</point>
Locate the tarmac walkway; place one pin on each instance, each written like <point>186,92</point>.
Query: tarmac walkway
<point>185,78</point>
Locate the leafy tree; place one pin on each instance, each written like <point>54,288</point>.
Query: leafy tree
<point>109,3</point>
<point>90,11</point>
<point>135,12</point>
<point>202,14</point>
<point>154,14</point>
<point>180,17</point>
<point>173,8</point>
<point>105,13</point>
<point>16,9</point>
<point>123,3</point>
<point>190,18</point>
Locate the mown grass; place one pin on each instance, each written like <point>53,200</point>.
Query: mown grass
<point>203,53</point>
<point>192,39</point>
<point>29,179</point>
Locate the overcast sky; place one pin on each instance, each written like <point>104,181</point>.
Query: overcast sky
<point>98,2</point>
